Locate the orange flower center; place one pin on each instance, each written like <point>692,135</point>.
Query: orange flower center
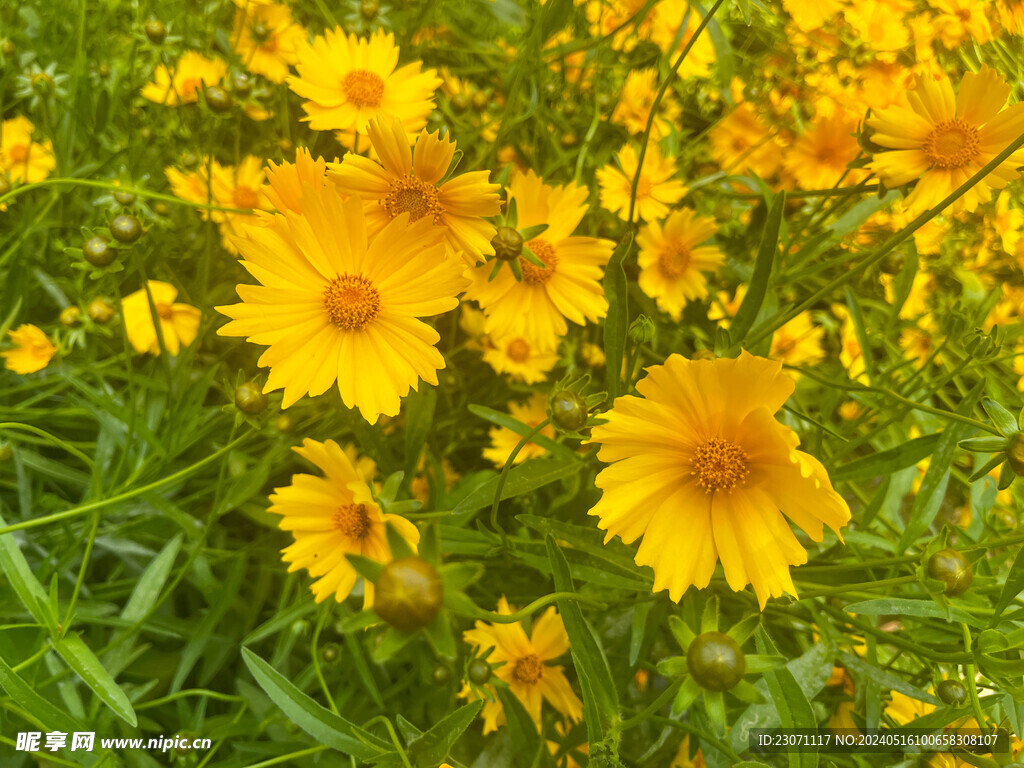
<point>952,144</point>
<point>352,520</point>
<point>719,465</point>
<point>351,301</point>
<point>19,153</point>
<point>165,311</point>
<point>413,196</point>
<point>189,86</point>
<point>529,669</point>
<point>543,250</point>
<point>363,88</point>
<point>518,351</point>
<point>674,260</point>
<point>245,197</point>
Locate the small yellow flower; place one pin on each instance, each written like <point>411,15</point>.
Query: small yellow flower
<point>808,15</point>
<point>179,323</point>
<point>656,190</point>
<point>741,141</point>
<point>266,40</point>
<point>520,358</point>
<point>182,83</point>
<point>32,352</point>
<point>666,22</point>
<point>21,159</point>
<point>634,106</point>
<point>798,342</point>
<point>819,158</point>
<point>504,440</point>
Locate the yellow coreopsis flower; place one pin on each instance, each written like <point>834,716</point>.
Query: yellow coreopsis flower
<point>520,358</point>
<point>672,260</point>
<point>741,141</point>
<point>285,181</point>
<point>633,109</point>
<point>337,305</point>
<point>347,81</point>
<point>182,83</point>
<point>21,159</point>
<point>701,472</point>
<point>408,181</point>
<point>959,20</point>
<point>656,190</point>
<point>525,666</point>
<point>1011,15</point>
<point>568,286</point>
<point>942,140</point>
<point>666,20</point>
<point>266,40</point>
<point>808,15</point>
<point>798,342</point>
<point>879,23</point>
<point>331,517</point>
<point>504,440</point>
<point>32,351</point>
<point>179,323</point>
<point>819,158</point>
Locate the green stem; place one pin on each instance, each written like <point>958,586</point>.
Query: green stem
<point>504,474</point>
<point>666,696</point>
<point>289,757</point>
<point>60,181</point>
<point>63,444</point>
<point>393,735</point>
<point>865,587</point>
<point>536,605</point>
<point>972,684</point>
<point>185,694</point>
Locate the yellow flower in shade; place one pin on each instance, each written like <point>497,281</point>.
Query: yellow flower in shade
<point>1008,223</point>
<point>682,758</point>
<point>740,141</point>
<point>347,81</point>
<point>182,83</point>
<point>879,23</point>
<point>666,20</point>
<point>334,305</point>
<point>504,440</point>
<point>32,351</point>
<point>266,40</point>
<point>960,20</point>
<point>227,186</point>
<point>819,158</point>
<point>21,159</point>
<point>724,308</point>
<point>808,15</point>
<point>285,181</point>
<point>568,286</point>
<point>407,181</point>
<point>916,303</point>
<point>334,516</point>
<point>633,109</point>
<point>1011,15</point>
<point>525,666</point>
<point>918,341</point>
<point>520,359</point>
<point>702,472</point>
<point>656,190</point>
<point>179,323</point>
<point>798,342</point>
<point>943,140</point>
<point>673,262</point>
<point>902,709</point>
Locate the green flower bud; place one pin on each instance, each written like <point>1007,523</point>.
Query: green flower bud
<point>479,672</point>
<point>1015,453</point>
<point>126,228</point>
<point>507,243</point>
<point>124,198</point>
<point>568,411</point>
<point>952,568</point>
<point>716,661</point>
<point>97,251</point>
<point>408,594</point>
<point>156,31</point>
<point>249,398</point>
<point>218,99</point>
<point>952,692</point>
<point>441,675</point>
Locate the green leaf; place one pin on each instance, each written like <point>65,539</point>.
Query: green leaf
<point>983,444</point>
<point>617,319</point>
<point>857,318</point>
<point>886,462</point>
<point>26,585</point>
<point>758,286</point>
<point>509,422</point>
<point>83,662</point>
<point>600,698</point>
<point>681,632</point>
<point>924,609</point>
<point>399,546</point>
<point>756,664</point>
<point>41,709</point>
<point>526,742</point>
<point>1013,586</point>
<point>1002,418</point>
<point>526,478</point>
<point>745,9</point>
<point>365,567</point>
<point>322,724</point>
<point>885,680</point>
<point>791,702</point>
<point>688,693</point>
<point>419,417</point>
<point>428,750</point>
<point>933,487</point>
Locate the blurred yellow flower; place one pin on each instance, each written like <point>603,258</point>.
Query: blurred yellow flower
<point>333,516</point>
<point>266,40</point>
<point>701,472</point>
<point>182,83</point>
<point>808,15</point>
<point>21,159</point>
<point>666,22</point>
<point>520,358</point>
<point>820,157</point>
<point>179,323</point>
<point>32,350</point>
<point>741,141</point>
<point>656,190</point>
<point>959,20</point>
<point>633,109</point>
<point>798,342</point>
<point>504,440</point>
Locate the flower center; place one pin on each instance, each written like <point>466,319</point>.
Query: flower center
<point>673,261</point>
<point>363,88</point>
<point>719,465</point>
<point>529,669</point>
<point>518,351</point>
<point>952,144</point>
<point>244,197</point>
<point>413,196</point>
<point>352,520</point>
<point>165,311</point>
<point>189,86</point>
<point>19,152</point>
<point>543,250</point>
<point>351,301</point>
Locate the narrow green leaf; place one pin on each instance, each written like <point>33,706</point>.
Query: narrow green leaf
<point>399,546</point>
<point>886,462</point>
<point>433,746</point>
<point>638,630</point>
<point>419,417</point>
<point>885,680</point>
<point>84,663</point>
<point>681,632</point>
<point>509,422</point>
<point>983,444</point>
<point>791,702</point>
<point>857,318</point>
<point>152,581</point>
<point>527,746</point>
<point>1012,587</point>
<point>1002,418</point>
<point>26,697</point>
<point>745,8</point>
<point>526,478</point>
<point>924,609</point>
<point>365,567</point>
<point>617,319</point>
<point>758,286</point>
<point>24,582</point>
<point>322,724</point>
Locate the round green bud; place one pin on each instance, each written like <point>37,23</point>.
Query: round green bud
<point>249,398</point>
<point>70,316</point>
<point>329,653</point>
<point>126,228</point>
<point>100,311</point>
<point>952,692</point>
<point>441,675</point>
<point>408,594</point>
<point>124,198</point>
<point>218,99</point>
<point>479,672</point>
<point>241,83</point>
<point>1015,453</point>
<point>507,244</point>
<point>160,208</point>
<point>481,100</point>
<point>97,251</point>
<point>568,410</point>
<point>951,568</point>
<point>156,31</point>
<point>716,661</point>
<point>369,9</point>
<point>460,103</point>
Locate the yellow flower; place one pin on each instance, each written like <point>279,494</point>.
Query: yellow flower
<point>672,261</point>
<point>666,20</point>
<point>682,758</point>
<point>504,440</point>
<point>819,158</point>
<point>266,40</point>
<point>740,141</point>
<point>916,303</point>
<point>960,20</point>
<point>850,353</point>
<point>568,286</point>
<point>347,81</point>
<point>285,181</point>
<point>182,84</point>
<point>1011,15</point>
<point>335,305</point>
<point>879,23</point>
<point>33,350</point>
<point>21,159</point>
<point>633,109</point>
<point>656,190</point>
<point>331,517</point>
<point>525,666</point>
<point>407,181</point>
<point>703,472</point>
<point>798,342</point>
<point>902,709</point>
<point>179,323</point>
<point>1008,223</point>
<point>808,15</point>
<point>725,308</point>
<point>520,358</point>
<point>941,141</point>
